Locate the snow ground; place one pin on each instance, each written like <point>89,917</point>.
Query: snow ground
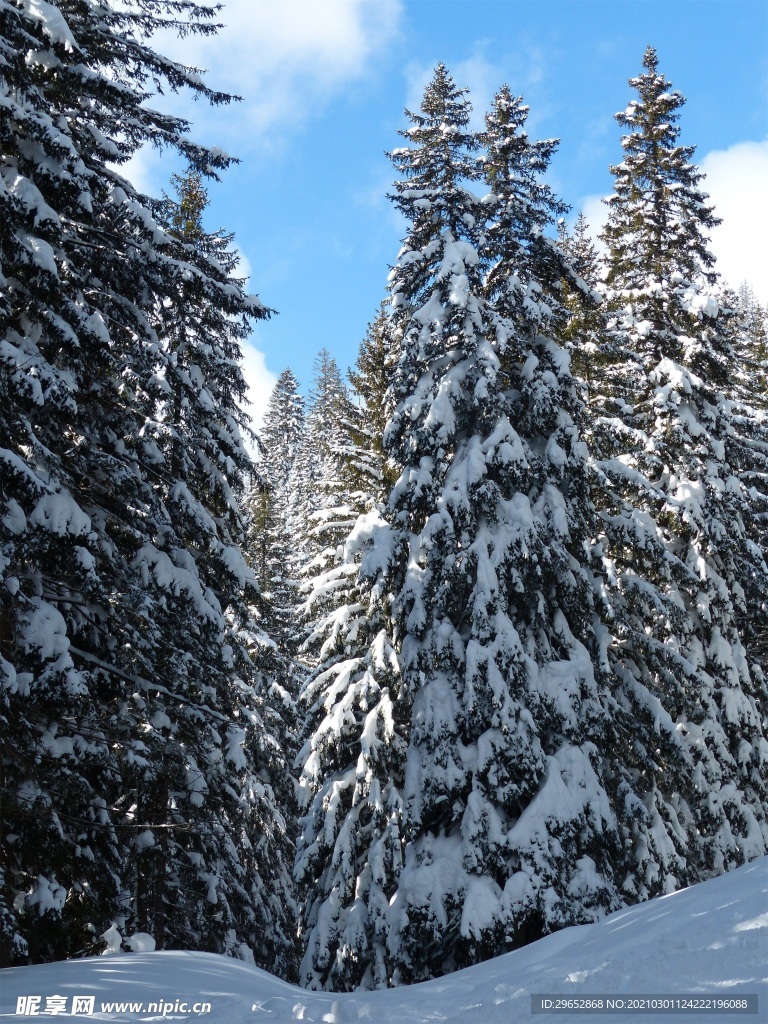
<point>710,939</point>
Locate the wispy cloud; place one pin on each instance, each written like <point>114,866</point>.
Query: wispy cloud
<point>286,58</point>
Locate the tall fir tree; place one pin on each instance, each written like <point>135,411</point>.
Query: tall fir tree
<point>271,509</point>
<point>494,612</point>
<point>361,469</point>
<point>352,661</point>
<point>748,393</point>
<point>752,345</point>
<point>583,331</point>
<point>681,570</point>
<point>136,792</point>
<point>365,461</point>
<point>323,507</point>
<point>238,775</point>
<point>453,777</point>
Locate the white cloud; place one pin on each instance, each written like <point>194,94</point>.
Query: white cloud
<point>286,58</point>
<point>735,181</point>
<point>259,379</point>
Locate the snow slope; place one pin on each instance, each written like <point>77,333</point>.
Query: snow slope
<point>711,938</point>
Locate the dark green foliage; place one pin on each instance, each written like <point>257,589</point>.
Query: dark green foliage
<point>584,330</point>
<point>271,510</point>
<point>678,560</point>
<point>457,694</point>
<point>367,468</point>
<point>138,770</point>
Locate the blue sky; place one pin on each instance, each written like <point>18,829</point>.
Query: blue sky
<point>324,84</point>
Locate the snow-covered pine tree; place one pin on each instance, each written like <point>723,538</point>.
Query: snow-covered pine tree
<point>359,480</point>
<point>323,509</point>
<point>117,576</point>
<point>234,766</point>
<point>350,852</point>
<point>678,556</point>
<point>453,776</point>
<point>71,241</point>
<point>271,550</point>
<point>748,395</point>
<point>494,617</point>
<point>345,936</point>
<point>365,463</point>
<point>583,332</point>
<point>270,507</point>
<point>752,344</point>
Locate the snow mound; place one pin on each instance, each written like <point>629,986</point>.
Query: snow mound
<point>709,939</point>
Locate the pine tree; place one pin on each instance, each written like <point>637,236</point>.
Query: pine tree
<point>752,344</point>
<point>282,434</point>
<point>583,333</point>
<point>365,463</point>
<point>270,505</point>
<point>679,562</point>
<point>748,394</point>
<point>230,774</point>
<point>496,613</point>
<point>323,510</point>
<point>350,852</point>
<point>453,775</point>
<point>71,237</point>
<point>271,552</point>
<point>136,719</point>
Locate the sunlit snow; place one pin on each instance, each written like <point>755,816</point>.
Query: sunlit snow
<point>709,939</point>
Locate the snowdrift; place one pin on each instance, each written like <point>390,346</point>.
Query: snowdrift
<point>711,939</point>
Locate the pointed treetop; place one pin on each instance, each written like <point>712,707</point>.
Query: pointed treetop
<point>443,98</point>
<point>443,103</point>
<point>187,215</point>
<point>659,217</point>
<point>509,152</point>
<point>505,105</point>
<point>655,91</point>
<point>650,60</point>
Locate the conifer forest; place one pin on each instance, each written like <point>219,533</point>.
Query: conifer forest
<point>474,650</point>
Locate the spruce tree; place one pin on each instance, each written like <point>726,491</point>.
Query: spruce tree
<point>322,509</point>
<point>748,395</point>
<point>349,849</point>
<point>234,772</point>
<point>583,331</point>
<point>453,776</point>
<point>137,721</point>
<point>681,570</point>
<point>270,506</point>
<point>752,345</point>
<point>495,610</point>
<point>365,462</point>
<point>71,249</point>
<point>345,946</point>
